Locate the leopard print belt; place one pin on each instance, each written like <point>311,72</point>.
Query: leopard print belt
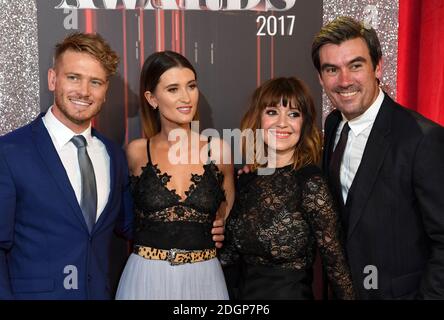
<point>175,256</point>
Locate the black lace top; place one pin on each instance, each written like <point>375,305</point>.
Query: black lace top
<point>273,229</point>
<point>163,220</point>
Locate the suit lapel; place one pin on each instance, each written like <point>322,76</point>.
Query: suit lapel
<point>55,166</point>
<point>371,163</point>
<point>331,126</point>
<point>112,173</point>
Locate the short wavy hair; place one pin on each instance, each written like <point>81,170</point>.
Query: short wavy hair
<point>342,29</point>
<point>92,44</point>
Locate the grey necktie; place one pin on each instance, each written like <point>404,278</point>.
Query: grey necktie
<point>88,201</point>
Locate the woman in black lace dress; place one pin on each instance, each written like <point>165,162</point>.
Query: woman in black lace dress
<point>282,214</point>
<point>179,186</point>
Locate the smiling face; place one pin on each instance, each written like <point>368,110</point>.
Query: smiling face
<point>348,76</point>
<point>79,83</point>
<point>282,126</point>
<point>176,96</point>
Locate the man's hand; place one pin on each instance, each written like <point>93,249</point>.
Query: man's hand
<point>218,232</point>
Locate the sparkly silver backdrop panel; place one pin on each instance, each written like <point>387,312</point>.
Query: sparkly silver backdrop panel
<point>382,15</point>
<point>19,68</point>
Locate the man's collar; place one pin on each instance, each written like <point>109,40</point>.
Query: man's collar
<point>359,124</point>
<point>61,133</point>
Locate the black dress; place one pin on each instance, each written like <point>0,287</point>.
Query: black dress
<point>164,221</point>
<point>276,223</point>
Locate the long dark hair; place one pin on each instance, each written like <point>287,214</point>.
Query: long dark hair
<point>153,68</point>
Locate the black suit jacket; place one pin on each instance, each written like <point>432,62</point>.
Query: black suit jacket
<point>394,214</point>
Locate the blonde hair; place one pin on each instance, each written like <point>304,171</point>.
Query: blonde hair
<point>92,44</point>
<point>271,93</point>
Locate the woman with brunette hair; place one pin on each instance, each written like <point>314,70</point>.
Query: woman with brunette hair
<point>283,209</point>
<point>177,196</point>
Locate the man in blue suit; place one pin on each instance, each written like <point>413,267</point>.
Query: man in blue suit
<point>48,250</point>
<point>63,186</point>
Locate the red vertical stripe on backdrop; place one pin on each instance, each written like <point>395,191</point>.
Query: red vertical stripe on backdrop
<point>141,49</point>
<point>142,38</point>
<point>258,60</point>
<point>89,17</point>
<point>90,28</point>
<point>177,32</point>
<point>420,50</point>
<point>173,30</point>
<point>272,55</point>
<point>182,13</point>
<point>156,18</point>
<point>160,30</point>
<point>272,58</point>
<point>125,73</point>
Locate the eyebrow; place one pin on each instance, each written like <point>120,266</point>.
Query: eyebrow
<point>292,107</point>
<point>330,65</point>
<point>358,59</point>
<point>82,76</point>
<point>176,84</point>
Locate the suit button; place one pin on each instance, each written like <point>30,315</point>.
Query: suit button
<point>89,278</point>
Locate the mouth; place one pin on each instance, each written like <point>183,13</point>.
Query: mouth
<point>185,109</point>
<point>347,94</point>
<point>80,103</point>
<point>280,134</point>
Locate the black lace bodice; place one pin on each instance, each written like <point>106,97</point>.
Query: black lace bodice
<point>163,220</point>
<point>278,220</point>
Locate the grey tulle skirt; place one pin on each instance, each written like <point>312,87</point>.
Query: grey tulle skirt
<point>145,279</point>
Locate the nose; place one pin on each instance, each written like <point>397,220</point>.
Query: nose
<point>345,79</point>
<point>282,120</point>
<point>185,96</point>
<point>84,88</point>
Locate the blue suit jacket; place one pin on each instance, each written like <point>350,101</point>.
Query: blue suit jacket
<point>46,251</point>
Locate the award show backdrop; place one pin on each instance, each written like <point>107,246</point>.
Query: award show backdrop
<point>234,45</point>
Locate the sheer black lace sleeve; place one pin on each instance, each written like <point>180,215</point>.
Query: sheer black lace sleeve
<point>229,255</point>
<point>320,212</point>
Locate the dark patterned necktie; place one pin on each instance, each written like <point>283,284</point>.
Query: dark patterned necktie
<point>88,202</point>
<point>335,163</point>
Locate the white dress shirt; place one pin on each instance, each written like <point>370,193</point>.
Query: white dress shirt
<point>67,151</point>
<point>360,128</point>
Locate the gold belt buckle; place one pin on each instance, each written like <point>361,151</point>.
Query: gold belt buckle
<point>172,255</point>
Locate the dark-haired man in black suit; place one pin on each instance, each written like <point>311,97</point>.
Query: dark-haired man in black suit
<point>385,165</point>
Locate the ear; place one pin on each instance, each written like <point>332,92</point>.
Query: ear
<point>51,79</point>
<point>151,98</point>
<point>378,70</point>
